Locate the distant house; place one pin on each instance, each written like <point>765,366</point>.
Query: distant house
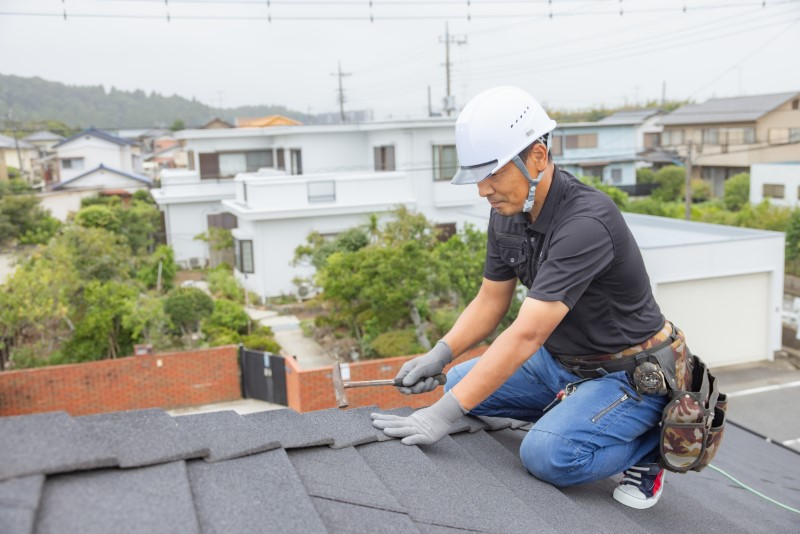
<point>777,182</point>
<point>167,153</point>
<point>607,149</point>
<point>105,178</point>
<point>728,135</point>
<point>263,122</point>
<point>18,154</point>
<point>216,123</point>
<point>44,141</point>
<point>45,167</point>
<point>93,148</point>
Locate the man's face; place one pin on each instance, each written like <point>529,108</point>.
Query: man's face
<point>506,190</point>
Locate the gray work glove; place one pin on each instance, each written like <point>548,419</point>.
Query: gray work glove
<point>417,374</point>
<point>425,426</point>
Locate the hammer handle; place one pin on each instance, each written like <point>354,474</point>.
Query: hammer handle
<point>441,378</point>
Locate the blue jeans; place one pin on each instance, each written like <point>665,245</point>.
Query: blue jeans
<point>601,429</point>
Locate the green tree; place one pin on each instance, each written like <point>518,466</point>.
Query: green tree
<point>619,196</point>
<point>460,261</point>
<point>736,191</point>
<point>147,321</point>
<point>177,125</point>
<point>149,271</point>
<point>670,180</point>
<point>187,307</point>
<point>645,175</point>
<point>98,216</point>
<point>99,332</point>
<point>223,284</point>
<point>22,219</point>
<point>317,248</point>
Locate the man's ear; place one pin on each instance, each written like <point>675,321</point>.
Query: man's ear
<point>538,157</point>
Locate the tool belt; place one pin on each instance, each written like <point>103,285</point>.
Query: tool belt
<point>693,420</point>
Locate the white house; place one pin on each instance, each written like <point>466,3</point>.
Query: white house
<point>92,148</point>
<point>722,285</point>
<point>348,171</point>
<point>777,182</point>
<point>190,207</point>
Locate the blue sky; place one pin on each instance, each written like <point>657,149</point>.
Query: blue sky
<point>230,53</point>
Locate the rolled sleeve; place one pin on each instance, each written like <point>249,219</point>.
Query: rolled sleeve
<point>580,251</point>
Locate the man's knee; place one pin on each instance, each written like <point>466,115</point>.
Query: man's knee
<point>455,374</point>
<point>552,458</point>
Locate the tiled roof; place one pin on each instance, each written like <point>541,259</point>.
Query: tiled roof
<point>269,120</point>
<point>8,142</point>
<point>133,176</point>
<point>330,471</point>
<point>725,110</point>
<point>100,134</point>
<point>44,136</point>
<point>636,116</point>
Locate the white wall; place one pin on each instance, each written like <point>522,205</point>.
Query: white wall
<point>62,203</point>
<point>786,174</point>
<point>94,152</point>
<point>184,222</point>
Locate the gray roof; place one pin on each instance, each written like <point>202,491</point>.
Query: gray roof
<point>636,116</point>
<point>727,110</point>
<point>100,134</point>
<point>8,142</point>
<point>44,136</point>
<point>133,176</point>
<point>330,471</point>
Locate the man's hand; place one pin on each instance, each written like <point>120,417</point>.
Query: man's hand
<point>423,427</point>
<point>417,374</point>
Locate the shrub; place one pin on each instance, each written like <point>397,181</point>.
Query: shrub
<point>396,343</point>
<point>645,175</point>
<point>736,191</point>
<point>222,284</point>
<point>228,314</point>
<point>701,190</point>
<point>259,341</point>
<point>670,180</point>
<point>98,216</point>
<point>187,306</point>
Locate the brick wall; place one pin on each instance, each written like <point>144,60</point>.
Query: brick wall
<point>168,380</point>
<point>312,389</point>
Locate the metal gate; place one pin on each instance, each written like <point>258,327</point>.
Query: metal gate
<point>263,376</point>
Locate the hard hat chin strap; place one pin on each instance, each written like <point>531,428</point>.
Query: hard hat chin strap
<point>528,206</point>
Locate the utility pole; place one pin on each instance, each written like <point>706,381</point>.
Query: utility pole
<point>341,74</point>
<point>688,185</point>
<point>449,103</point>
<point>664,93</point>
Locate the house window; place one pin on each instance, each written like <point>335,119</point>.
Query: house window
<point>794,135</point>
<point>226,221</point>
<point>322,191</point>
<point>281,159</point>
<point>652,140</point>
<point>710,136</point>
<point>445,162</point>
<point>557,148</point>
<point>296,160</point>
<point>774,191</point>
<point>595,171</point>
<point>796,103</point>
<point>672,137</point>
<point>384,158</point>
<point>74,164</point>
<point>229,164</point>
<point>749,136</point>
<point>616,175</point>
<point>581,141</point>
<point>243,256</point>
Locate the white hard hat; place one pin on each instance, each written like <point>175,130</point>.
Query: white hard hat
<point>493,128</point>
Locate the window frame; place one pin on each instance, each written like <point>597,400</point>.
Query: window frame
<point>239,257</point>
<point>439,170</point>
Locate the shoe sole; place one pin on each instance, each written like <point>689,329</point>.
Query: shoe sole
<point>633,502</point>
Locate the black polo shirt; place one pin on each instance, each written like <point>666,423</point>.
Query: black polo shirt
<point>579,251</point>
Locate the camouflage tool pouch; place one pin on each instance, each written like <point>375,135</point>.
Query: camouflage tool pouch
<point>693,422</point>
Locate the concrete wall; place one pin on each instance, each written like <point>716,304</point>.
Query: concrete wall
<point>62,203</point>
<point>169,380</point>
<point>786,174</point>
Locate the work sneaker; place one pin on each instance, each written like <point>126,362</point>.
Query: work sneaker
<point>641,486</point>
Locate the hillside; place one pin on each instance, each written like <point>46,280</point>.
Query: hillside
<point>36,100</point>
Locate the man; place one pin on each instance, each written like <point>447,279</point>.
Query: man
<point>588,314</point>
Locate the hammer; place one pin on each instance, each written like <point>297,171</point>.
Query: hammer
<point>339,385</point>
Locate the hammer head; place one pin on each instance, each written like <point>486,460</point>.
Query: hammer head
<point>338,386</point>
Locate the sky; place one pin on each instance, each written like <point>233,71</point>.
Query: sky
<point>570,54</point>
